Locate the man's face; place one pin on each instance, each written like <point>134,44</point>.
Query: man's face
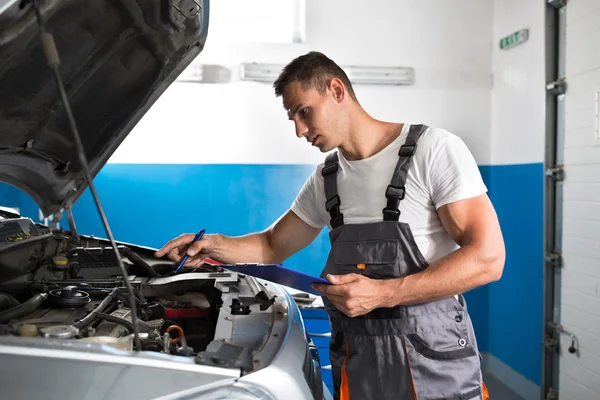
<point>317,116</point>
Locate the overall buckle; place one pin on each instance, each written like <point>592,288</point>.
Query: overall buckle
<point>391,215</point>
<point>332,202</point>
<point>407,150</point>
<point>395,191</point>
<point>337,221</point>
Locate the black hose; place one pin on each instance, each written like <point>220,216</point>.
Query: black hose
<point>7,301</point>
<point>116,320</point>
<point>123,296</point>
<point>88,319</point>
<point>137,260</point>
<point>23,309</point>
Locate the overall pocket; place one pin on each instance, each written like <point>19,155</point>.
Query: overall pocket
<point>443,365</point>
<point>377,259</point>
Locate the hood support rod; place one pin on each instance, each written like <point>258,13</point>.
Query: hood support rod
<point>53,60</point>
<point>72,226</point>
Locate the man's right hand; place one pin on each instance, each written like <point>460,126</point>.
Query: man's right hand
<point>197,252</point>
<point>288,235</point>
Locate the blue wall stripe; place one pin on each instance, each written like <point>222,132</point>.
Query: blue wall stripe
<point>515,313</point>
<point>9,196</point>
<point>150,204</point>
<point>477,306</point>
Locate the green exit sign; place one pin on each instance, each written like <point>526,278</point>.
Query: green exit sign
<point>514,39</point>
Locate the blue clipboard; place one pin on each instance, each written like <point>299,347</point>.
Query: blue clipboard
<point>279,274</point>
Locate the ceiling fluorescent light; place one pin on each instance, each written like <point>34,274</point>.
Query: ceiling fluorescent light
<point>193,73</point>
<point>260,72</point>
<point>381,75</point>
<point>299,25</point>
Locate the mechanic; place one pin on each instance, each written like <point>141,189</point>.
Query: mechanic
<point>411,229</point>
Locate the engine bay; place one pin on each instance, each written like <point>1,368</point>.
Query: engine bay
<point>60,286</point>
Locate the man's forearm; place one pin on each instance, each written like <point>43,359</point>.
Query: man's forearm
<point>458,272</point>
<point>288,235</point>
<point>252,248</point>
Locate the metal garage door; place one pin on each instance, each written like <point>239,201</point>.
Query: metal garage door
<point>572,357</point>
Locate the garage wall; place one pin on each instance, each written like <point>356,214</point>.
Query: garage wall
<point>580,309</point>
<point>9,196</point>
<point>518,133</point>
<point>247,124</point>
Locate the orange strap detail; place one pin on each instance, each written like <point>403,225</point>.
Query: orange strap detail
<point>486,395</point>
<point>344,390</point>
<point>361,266</point>
<point>409,370</point>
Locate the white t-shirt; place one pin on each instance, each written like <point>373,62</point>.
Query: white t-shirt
<point>442,171</point>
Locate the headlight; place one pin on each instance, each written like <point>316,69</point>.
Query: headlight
<point>237,391</point>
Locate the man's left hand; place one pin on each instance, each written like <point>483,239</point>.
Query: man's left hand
<point>354,294</point>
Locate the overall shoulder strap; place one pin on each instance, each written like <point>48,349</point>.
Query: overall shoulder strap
<point>332,203</point>
<point>396,190</point>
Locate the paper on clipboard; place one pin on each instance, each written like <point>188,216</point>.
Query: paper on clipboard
<point>279,274</point>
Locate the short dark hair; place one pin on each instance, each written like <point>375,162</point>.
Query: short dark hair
<point>313,70</point>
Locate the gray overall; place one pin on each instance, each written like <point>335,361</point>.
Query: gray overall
<point>426,351</point>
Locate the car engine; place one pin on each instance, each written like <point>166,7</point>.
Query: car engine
<point>59,286</point>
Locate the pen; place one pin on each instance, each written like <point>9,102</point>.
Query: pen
<point>198,236</point>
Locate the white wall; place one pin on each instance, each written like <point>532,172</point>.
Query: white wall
<point>517,154</point>
<point>580,310</point>
<point>448,43</point>
<point>518,97</point>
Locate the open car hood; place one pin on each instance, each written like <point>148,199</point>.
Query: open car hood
<point>117,58</point>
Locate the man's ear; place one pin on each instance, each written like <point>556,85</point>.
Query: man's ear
<point>337,89</point>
